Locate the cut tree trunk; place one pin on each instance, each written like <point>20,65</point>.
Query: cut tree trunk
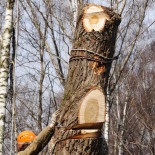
<point>83,106</point>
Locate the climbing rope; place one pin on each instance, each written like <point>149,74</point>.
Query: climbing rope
<point>101,58</point>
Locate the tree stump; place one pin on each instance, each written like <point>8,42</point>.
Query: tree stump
<point>83,106</point>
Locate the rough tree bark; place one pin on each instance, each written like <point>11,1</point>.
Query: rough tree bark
<point>91,57</point>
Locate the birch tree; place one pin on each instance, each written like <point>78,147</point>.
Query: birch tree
<point>74,6</point>
<point>4,64</point>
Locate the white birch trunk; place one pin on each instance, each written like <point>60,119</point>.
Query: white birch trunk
<point>121,139</point>
<point>118,117</point>
<point>107,118</point>
<point>74,9</point>
<point>4,65</point>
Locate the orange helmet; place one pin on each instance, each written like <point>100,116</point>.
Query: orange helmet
<point>26,137</point>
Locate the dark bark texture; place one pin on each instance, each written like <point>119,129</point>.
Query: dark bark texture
<point>89,68</point>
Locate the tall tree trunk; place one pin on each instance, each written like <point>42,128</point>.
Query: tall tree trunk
<point>4,64</point>
<point>121,138</point>
<point>42,75</point>
<point>13,95</point>
<point>83,106</point>
<point>74,7</point>
<point>107,118</point>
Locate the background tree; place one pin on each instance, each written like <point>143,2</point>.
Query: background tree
<point>4,64</point>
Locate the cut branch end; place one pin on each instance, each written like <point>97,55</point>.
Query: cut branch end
<point>92,107</point>
<point>94,18</point>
